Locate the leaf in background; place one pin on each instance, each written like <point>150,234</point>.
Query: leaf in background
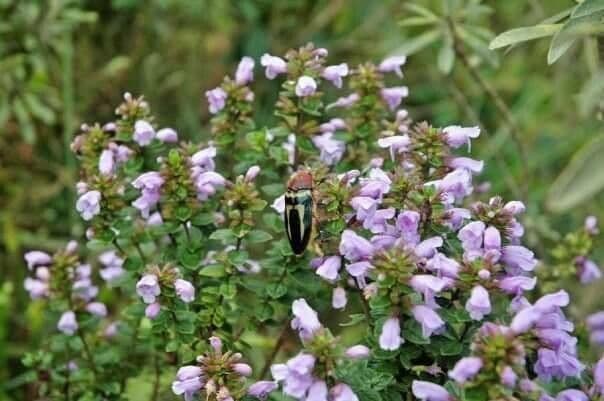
<point>446,58</point>
<point>417,43</point>
<point>587,7</point>
<point>524,34</point>
<point>571,31</point>
<point>581,179</point>
<point>591,94</point>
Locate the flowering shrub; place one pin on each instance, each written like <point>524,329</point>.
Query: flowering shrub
<point>428,291</point>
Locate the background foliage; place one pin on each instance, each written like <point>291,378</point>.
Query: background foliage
<point>65,61</point>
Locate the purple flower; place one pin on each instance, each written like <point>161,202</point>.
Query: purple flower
<point>252,173</point>
<point>204,159</point>
<point>89,204</point>
<point>428,319</point>
<point>184,290</point>
<point>365,207</point>
<point>427,391</point>
<point>306,86</point>
<point>243,369</point>
<point>278,204</point>
<point>515,285</point>
<point>296,374</point>
<point>591,225</point>
<point>524,320</point>
<point>376,184</point>
<point>475,166</point>
<point>354,247</point>
<point>106,162</point>
<point>518,258</point>
<point>338,298</point>
<point>443,265</point>
<point>167,135</point>
<point>317,391</point>
<point>390,337</point>
<point>427,248</point>
<point>274,65</point>
<point>454,186</point>
<point>341,392</point>
<point>331,150</point>
<point>216,99</point>
<point>36,288</point>
<point>305,319</point>
<point>393,96</point>
<point>359,269</point>
<point>393,64</point>
<point>479,304</point>
<point>97,308</point>
<point>589,272</point>
<point>188,381</point>
<point>514,207</point>
<point>465,369</point>
<point>143,133</point>
<point>598,372</point>
<point>152,310</point>
<point>552,302</point>
<point>457,136</point>
<point>148,288</point>
<point>396,144</point>
<point>154,219</point>
<point>67,323</point>
<point>245,71</point>
<point>408,224</point>
<point>428,285</point>
<point>37,258</point>
<point>595,321</point>
<point>335,73</point>
<point>345,101</point>
<point>216,344</point>
<point>262,389</point>
<point>571,395</point>
<point>508,377</point>
<point>358,352</point>
<point>150,181</point>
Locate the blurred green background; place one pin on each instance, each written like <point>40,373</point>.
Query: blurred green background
<point>66,62</point>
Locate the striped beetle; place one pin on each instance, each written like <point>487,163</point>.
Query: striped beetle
<point>299,211</point>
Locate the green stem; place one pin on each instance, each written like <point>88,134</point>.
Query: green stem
<point>275,350</point>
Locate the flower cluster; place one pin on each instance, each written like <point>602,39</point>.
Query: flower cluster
<point>427,276</point>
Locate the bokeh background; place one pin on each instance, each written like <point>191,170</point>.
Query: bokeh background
<point>65,62</point>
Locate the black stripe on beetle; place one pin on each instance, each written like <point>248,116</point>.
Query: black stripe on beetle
<point>299,211</point>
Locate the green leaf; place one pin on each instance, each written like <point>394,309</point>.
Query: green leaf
<point>571,31</point>
<point>224,235</point>
<point>446,58</point>
<point>214,271</point>
<point>580,180</point>
<point>523,34</point>
<point>587,7</point>
<point>276,290</point>
<point>189,258</point>
<point>417,43</point>
<point>258,236</point>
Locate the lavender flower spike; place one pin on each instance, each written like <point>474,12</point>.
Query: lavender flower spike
<point>245,71</point>
<point>67,323</point>
<point>335,73</point>
<point>429,320</point>
<point>184,290</point>
<point>262,389</point>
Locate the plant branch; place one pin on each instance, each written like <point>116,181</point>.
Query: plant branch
<point>275,350</point>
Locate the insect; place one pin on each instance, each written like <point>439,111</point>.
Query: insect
<point>299,211</point>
